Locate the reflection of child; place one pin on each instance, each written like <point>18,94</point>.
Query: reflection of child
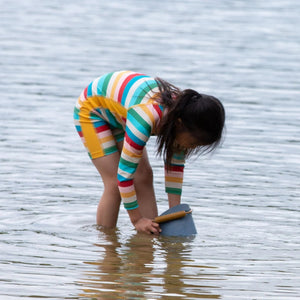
<point>117,113</point>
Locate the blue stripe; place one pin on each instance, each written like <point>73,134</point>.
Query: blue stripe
<point>132,205</point>
<point>78,128</point>
<point>134,138</point>
<point>121,178</point>
<point>76,116</point>
<point>89,90</point>
<point>98,124</point>
<point>138,125</point>
<point>126,168</point>
<point>129,85</point>
<point>100,86</point>
<point>179,156</point>
<point>111,119</point>
<point>134,99</point>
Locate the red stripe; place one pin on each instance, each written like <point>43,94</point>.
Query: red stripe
<point>102,128</point>
<point>85,92</point>
<point>158,110</point>
<point>80,133</point>
<point>132,143</point>
<point>176,168</point>
<point>128,78</point>
<point>125,183</point>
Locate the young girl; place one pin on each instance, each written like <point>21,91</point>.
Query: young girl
<point>117,113</point>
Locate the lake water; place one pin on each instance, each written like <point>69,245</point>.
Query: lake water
<point>245,197</point>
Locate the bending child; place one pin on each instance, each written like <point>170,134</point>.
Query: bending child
<point>117,113</point>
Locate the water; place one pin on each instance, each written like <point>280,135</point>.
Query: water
<point>245,198</point>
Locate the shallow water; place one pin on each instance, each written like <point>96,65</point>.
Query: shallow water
<point>245,198</point>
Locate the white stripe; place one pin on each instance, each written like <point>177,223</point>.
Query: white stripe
<point>175,174</point>
<point>130,158</point>
<point>76,122</point>
<point>94,86</point>
<point>136,132</point>
<point>77,105</point>
<point>178,162</point>
<point>144,115</point>
<point>150,94</point>
<point>110,85</point>
<point>133,90</point>
<point>82,97</point>
<point>108,144</point>
<point>130,199</point>
<point>176,185</point>
<point>104,115</point>
<point>125,174</point>
<point>154,112</point>
<point>121,80</point>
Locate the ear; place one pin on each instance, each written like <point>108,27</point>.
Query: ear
<point>179,124</point>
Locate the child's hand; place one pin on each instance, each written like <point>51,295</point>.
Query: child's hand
<point>147,226</point>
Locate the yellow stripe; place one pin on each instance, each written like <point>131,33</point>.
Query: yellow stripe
<point>117,79</point>
<point>128,195</point>
<point>102,102</point>
<point>106,139</point>
<point>91,140</point>
<point>131,154</point>
<point>174,179</point>
<point>148,113</point>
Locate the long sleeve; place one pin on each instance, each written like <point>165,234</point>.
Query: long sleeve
<point>174,175</point>
<point>140,122</point>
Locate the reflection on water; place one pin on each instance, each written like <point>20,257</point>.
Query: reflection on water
<point>245,199</point>
<point>147,267</point>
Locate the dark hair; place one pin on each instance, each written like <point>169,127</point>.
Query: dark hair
<point>201,115</point>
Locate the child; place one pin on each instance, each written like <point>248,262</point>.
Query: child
<point>117,113</point>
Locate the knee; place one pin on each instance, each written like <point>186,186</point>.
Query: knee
<point>111,186</point>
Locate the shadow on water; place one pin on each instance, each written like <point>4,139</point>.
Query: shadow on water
<point>146,267</point>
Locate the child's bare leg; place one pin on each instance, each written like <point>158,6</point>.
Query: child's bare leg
<point>143,183</point>
<point>108,207</point>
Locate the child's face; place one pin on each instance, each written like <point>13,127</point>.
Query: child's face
<point>184,140</point>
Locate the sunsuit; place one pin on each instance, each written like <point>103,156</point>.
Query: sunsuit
<point>123,106</point>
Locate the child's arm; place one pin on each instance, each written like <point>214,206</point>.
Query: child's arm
<point>174,179</point>
<point>139,125</point>
<point>174,200</point>
<point>137,133</point>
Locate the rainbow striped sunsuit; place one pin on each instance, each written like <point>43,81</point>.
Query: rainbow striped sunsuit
<point>122,104</point>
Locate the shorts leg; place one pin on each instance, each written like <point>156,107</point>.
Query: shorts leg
<point>97,136</point>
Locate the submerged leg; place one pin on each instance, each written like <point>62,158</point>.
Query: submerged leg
<point>108,207</point>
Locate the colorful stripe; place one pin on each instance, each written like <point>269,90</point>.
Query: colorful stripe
<point>174,174</point>
<point>123,101</point>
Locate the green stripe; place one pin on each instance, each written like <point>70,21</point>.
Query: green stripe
<point>175,191</point>
<point>76,110</point>
<point>179,156</point>
<point>131,205</point>
<point>128,163</point>
<point>146,90</point>
<point>140,120</point>
<point>93,115</point>
<point>111,149</point>
<point>119,137</point>
<point>105,83</point>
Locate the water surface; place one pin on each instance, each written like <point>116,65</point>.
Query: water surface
<point>245,198</point>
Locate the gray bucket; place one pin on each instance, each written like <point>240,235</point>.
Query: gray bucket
<point>180,227</point>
